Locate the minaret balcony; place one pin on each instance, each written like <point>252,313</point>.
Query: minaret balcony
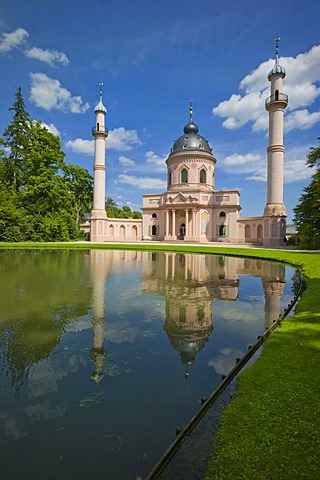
<point>99,128</point>
<point>279,97</point>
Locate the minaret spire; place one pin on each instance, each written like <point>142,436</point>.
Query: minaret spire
<point>277,40</point>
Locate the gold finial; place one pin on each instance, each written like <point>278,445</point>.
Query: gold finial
<point>277,40</point>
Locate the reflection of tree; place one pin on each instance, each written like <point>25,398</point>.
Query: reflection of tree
<point>40,294</point>
<point>296,281</point>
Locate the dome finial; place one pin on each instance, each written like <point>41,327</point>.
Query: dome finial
<point>100,107</point>
<point>277,40</point>
<point>190,109</point>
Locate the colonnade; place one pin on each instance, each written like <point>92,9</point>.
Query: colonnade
<point>188,217</point>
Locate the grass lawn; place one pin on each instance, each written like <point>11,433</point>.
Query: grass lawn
<point>271,429</point>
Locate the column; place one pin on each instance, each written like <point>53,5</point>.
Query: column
<point>174,235</point>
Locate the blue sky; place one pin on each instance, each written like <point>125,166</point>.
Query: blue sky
<point>152,57</point>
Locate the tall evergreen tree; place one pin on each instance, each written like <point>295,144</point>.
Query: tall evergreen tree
<point>307,212</point>
<point>17,141</point>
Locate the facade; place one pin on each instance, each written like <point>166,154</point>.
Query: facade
<point>191,209</point>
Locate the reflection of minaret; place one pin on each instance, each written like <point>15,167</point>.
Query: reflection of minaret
<point>98,274</point>
<point>273,284</point>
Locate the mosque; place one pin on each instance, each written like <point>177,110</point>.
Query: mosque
<point>191,209</point>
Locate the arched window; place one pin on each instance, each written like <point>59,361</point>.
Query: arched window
<point>203,176</point>
<point>276,97</point>
<point>222,231</point>
<point>154,230</point>
<point>222,214</point>
<point>184,176</point>
<point>170,178</point>
<point>154,215</point>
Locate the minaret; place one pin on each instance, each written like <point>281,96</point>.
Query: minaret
<point>274,226</point>
<point>100,133</point>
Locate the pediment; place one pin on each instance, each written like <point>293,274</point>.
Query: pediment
<point>182,198</point>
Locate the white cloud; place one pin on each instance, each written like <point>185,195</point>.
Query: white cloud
<point>301,119</point>
<point>13,39</point>
<point>51,128</point>
<point>158,163</point>
<point>49,94</point>
<point>126,162</point>
<point>81,146</point>
<point>49,56</point>
<point>118,139</point>
<point>254,166</point>
<point>122,139</point>
<point>142,182</point>
<point>303,73</point>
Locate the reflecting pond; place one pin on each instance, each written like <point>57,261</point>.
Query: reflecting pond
<point>104,353</point>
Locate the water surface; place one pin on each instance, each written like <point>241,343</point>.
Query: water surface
<point>104,353</point>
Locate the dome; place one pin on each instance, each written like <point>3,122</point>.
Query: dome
<point>277,69</point>
<point>190,140</point>
<point>100,107</point>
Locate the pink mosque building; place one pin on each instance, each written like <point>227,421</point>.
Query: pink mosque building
<point>191,209</point>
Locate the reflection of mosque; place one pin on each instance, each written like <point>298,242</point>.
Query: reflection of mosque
<point>190,284</point>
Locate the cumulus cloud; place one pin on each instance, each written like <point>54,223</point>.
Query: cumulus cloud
<point>126,162</point>
<point>300,85</point>
<point>118,139</point>
<point>48,56</point>
<point>13,39</point>
<point>51,128</point>
<point>49,94</point>
<point>142,182</point>
<point>158,163</point>
<point>122,139</point>
<point>254,165</point>
<point>302,118</point>
<point>79,145</point>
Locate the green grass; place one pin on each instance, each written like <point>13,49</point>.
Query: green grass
<point>271,429</point>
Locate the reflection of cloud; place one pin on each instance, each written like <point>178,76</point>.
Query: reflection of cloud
<point>84,323</point>
<point>44,376</point>
<point>242,311</point>
<point>44,411</point>
<point>121,332</point>
<point>225,361</point>
<point>10,425</point>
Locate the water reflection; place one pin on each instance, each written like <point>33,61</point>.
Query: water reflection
<point>190,284</point>
<point>100,342</point>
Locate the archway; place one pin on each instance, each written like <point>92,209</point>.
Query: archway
<point>259,233</point>
<point>247,233</point>
<point>111,232</point>
<point>134,232</point>
<point>122,231</point>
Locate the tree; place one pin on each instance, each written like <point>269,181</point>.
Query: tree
<point>307,212</point>
<point>41,198</point>
<point>17,141</point>
<point>80,185</point>
<point>113,211</point>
